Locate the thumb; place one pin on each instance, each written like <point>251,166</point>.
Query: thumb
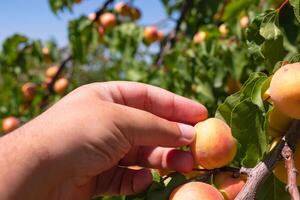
<point>143,128</point>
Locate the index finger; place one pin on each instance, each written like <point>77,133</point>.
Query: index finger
<point>152,99</point>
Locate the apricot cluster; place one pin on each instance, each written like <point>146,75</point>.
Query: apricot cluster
<point>152,34</point>
<point>285,97</point>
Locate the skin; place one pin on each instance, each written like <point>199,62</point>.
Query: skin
<point>284,90</point>
<point>80,147</point>
<point>229,185</point>
<point>214,146</point>
<point>196,191</point>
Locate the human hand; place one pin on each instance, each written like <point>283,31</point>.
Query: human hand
<point>81,146</point>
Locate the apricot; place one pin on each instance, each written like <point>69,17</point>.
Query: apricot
<point>52,71</point>
<point>29,90</point>
<point>10,123</point>
<point>284,91</point>
<point>108,20</point>
<point>280,170</point>
<point>61,85</point>
<point>150,34</point>
<point>199,37</point>
<point>229,185</point>
<point>123,9</point>
<point>101,32</point>
<point>278,121</point>
<point>196,191</point>
<point>92,16</point>
<point>244,22</point>
<point>160,35</point>
<point>214,146</point>
<point>77,1</point>
<point>45,50</point>
<point>135,13</point>
<point>223,29</point>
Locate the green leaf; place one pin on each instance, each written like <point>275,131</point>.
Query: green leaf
<point>269,26</point>
<point>296,7</point>
<point>234,8</point>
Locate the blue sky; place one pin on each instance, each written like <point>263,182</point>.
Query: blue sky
<point>34,18</point>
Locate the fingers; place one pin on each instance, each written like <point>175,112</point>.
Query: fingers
<point>159,158</point>
<point>122,181</point>
<point>143,128</point>
<point>152,99</point>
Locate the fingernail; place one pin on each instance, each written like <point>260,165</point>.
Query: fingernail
<point>187,131</point>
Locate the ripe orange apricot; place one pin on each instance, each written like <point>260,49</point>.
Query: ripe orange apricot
<point>280,170</point>
<point>10,123</point>
<point>160,35</point>
<point>135,13</point>
<point>214,146</point>
<point>29,90</point>
<point>108,20</point>
<point>284,90</point>
<point>61,85</point>
<point>122,8</point>
<point>196,191</point>
<point>52,71</point>
<point>199,37</point>
<point>228,185</point>
<point>244,22</point>
<point>150,34</point>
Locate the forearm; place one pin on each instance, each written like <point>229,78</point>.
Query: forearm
<point>26,169</point>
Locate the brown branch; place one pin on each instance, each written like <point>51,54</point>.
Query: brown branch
<point>282,5</point>
<point>264,168</point>
<point>171,39</point>
<point>292,172</point>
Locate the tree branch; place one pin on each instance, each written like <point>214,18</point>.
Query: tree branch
<point>287,154</point>
<point>171,39</point>
<point>264,168</point>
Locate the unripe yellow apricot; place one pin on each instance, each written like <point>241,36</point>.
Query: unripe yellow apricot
<point>196,191</point>
<point>278,121</point>
<point>214,146</point>
<point>280,170</point>
<point>284,90</point>
<point>244,22</point>
<point>223,29</point>
<point>199,37</point>
<point>228,185</point>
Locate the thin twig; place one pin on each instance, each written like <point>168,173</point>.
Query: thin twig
<point>171,39</point>
<point>292,172</point>
<point>282,5</point>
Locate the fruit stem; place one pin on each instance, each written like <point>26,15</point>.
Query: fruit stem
<point>281,6</point>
